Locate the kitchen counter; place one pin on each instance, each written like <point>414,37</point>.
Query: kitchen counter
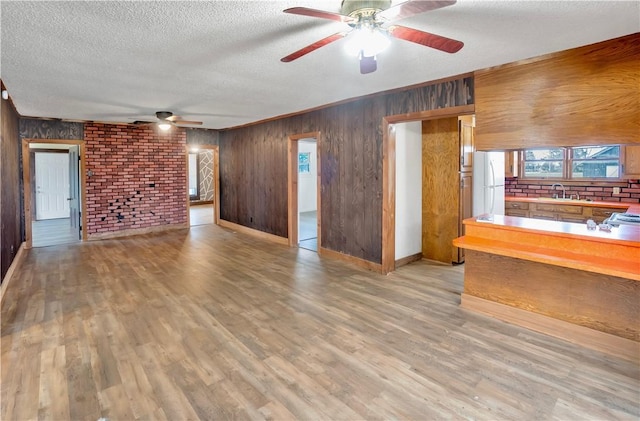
<point>632,207</point>
<point>558,278</point>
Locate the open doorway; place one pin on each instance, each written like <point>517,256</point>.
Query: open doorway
<point>304,191</point>
<point>202,184</point>
<point>53,183</point>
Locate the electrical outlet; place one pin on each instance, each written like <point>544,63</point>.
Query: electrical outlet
<point>616,190</point>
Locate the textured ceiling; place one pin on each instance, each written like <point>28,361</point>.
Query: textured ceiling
<point>219,61</point>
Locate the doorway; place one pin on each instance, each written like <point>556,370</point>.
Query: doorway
<point>53,195</point>
<point>203,184</point>
<point>304,191</point>
<point>389,165</point>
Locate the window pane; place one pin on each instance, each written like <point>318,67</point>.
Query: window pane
<point>596,169</point>
<point>543,169</point>
<point>543,154</point>
<point>596,162</point>
<point>596,152</point>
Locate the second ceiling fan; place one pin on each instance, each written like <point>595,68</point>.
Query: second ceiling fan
<point>370,23</point>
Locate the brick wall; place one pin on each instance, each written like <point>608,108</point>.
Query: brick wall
<point>628,194</point>
<point>138,180</point>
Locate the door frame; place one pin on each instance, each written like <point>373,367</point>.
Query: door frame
<point>388,263</point>
<point>216,181</point>
<point>27,183</point>
<point>292,186</point>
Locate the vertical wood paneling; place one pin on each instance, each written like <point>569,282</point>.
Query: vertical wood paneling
<point>584,96</point>
<point>254,163</point>
<point>10,209</point>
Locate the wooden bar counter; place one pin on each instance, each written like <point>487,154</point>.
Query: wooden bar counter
<point>558,278</point>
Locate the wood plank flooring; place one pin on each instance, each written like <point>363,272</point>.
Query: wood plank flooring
<point>51,232</point>
<point>201,214</point>
<point>209,324</point>
<point>308,230</point>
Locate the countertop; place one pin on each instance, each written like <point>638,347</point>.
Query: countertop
<point>567,244</point>
<point>627,234</point>
<point>631,207</point>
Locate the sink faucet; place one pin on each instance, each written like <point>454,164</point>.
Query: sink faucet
<point>564,191</point>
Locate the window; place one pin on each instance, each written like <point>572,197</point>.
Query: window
<point>304,162</point>
<point>581,162</point>
<point>544,163</point>
<point>595,162</point>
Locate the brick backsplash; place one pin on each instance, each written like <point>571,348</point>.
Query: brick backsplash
<point>628,194</point>
<point>138,177</point>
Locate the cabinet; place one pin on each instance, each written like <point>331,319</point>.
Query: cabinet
<point>516,209</point>
<point>579,213</point>
<point>567,213</point>
<point>465,130</point>
<point>631,162</point>
<point>511,164</point>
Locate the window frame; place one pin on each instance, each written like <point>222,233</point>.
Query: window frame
<point>567,165</point>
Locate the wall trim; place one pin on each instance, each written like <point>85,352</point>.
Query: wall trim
<point>135,231</point>
<point>409,259</point>
<point>365,264</point>
<point>253,232</point>
<point>584,336</point>
<point>17,261</point>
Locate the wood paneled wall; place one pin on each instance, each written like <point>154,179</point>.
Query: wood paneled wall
<point>202,136</point>
<point>584,96</point>
<point>33,128</point>
<point>253,166</point>
<point>10,209</point>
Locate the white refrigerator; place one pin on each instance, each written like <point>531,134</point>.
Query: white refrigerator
<point>488,184</point>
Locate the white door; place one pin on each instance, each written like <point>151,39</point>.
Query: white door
<point>52,185</point>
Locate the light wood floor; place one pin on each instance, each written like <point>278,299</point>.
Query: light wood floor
<point>308,230</point>
<point>51,232</point>
<point>201,214</point>
<point>208,324</point>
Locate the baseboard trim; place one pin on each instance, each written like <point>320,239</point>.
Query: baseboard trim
<point>584,336</point>
<point>134,231</point>
<point>17,261</point>
<point>375,267</point>
<point>254,232</point>
<point>408,259</point>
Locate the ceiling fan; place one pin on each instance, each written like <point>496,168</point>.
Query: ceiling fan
<point>166,120</point>
<point>370,22</point>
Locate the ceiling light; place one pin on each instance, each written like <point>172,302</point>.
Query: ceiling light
<point>369,41</point>
<point>164,126</point>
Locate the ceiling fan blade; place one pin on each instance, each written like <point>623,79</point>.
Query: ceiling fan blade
<point>305,11</point>
<point>194,123</point>
<point>143,123</point>
<point>313,47</point>
<point>368,64</point>
<point>438,42</point>
<point>412,7</point>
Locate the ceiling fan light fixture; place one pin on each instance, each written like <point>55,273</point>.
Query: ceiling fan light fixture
<point>368,41</point>
<point>164,126</point>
